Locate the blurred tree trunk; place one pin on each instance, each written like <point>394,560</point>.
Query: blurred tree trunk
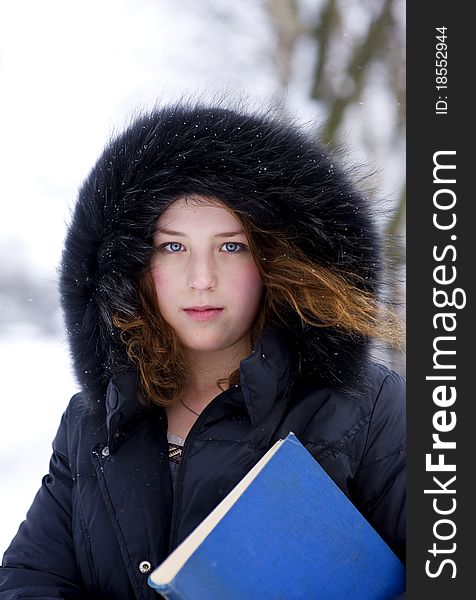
<point>339,80</point>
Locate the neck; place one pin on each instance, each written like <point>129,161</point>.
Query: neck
<point>208,367</point>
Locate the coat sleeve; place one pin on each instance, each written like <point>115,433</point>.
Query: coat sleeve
<point>381,482</point>
<point>40,562</point>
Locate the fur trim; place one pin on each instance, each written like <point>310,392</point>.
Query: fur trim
<point>271,170</point>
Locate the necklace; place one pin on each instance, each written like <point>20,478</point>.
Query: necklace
<point>188,408</point>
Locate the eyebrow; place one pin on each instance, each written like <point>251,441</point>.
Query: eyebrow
<point>217,235</point>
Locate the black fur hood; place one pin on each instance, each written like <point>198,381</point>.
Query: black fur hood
<point>267,168</point>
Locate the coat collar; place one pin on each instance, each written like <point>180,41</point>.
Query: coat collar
<point>122,407</point>
<point>265,377</point>
<point>266,374</point>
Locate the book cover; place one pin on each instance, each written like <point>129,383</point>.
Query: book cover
<point>285,531</point>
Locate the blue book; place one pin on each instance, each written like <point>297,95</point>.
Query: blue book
<point>285,531</point>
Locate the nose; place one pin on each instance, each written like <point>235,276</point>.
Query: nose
<point>201,274</point>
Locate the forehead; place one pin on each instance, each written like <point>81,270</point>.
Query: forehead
<point>187,213</point>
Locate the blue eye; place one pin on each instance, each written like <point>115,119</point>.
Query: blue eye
<point>174,247</point>
<point>233,247</point>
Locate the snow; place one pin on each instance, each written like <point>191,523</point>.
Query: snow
<point>36,386</point>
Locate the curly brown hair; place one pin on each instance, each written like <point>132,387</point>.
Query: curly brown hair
<point>320,295</point>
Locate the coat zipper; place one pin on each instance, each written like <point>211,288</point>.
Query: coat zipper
<point>181,467</point>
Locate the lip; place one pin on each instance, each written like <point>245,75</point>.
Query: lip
<point>203,313</point>
<point>203,307</point>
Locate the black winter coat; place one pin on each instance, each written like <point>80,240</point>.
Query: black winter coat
<point>106,513</point>
<point>106,508</point>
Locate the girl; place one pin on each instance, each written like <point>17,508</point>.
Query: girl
<point>220,288</point>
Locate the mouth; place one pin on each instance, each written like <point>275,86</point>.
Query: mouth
<point>201,307</point>
<point>203,313</point>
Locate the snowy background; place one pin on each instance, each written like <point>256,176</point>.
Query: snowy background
<point>71,74</point>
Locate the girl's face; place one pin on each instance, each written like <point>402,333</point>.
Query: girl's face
<point>208,286</point>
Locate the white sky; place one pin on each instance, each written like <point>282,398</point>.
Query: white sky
<point>73,71</point>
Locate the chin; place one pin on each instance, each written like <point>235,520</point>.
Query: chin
<point>207,347</point>
<point>207,344</point>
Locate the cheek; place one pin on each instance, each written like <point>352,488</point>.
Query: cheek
<point>247,284</point>
<point>164,284</point>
